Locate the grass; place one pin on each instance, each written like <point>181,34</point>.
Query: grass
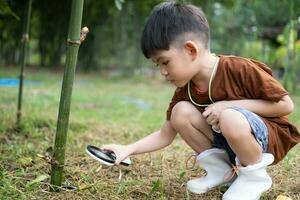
<point>104,111</point>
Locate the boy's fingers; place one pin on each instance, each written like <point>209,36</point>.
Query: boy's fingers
<point>107,147</point>
<point>210,119</point>
<point>213,121</point>
<point>205,113</point>
<point>118,161</point>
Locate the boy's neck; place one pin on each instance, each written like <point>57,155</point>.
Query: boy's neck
<point>206,65</point>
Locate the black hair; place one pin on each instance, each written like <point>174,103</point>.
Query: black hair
<point>168,21</point>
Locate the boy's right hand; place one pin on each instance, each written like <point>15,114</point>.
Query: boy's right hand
<point>121,151</point>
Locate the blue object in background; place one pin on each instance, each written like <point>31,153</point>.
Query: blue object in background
<point>10,82</point>
<point>137,102</point>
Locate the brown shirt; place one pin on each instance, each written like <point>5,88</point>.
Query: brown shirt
<point>241,78</point>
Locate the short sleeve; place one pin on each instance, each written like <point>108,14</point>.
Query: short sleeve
<point>259,83</point>
<point>179,95</point>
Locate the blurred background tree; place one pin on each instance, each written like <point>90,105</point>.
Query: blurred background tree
<point>264,30</point>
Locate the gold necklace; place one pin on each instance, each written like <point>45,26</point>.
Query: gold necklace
<point>209,87</point>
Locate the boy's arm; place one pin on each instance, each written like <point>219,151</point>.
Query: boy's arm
<point>259,106</point>
<point>152,142</point>
<point>266,108</point>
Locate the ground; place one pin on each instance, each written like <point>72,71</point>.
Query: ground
<point>114,110</point>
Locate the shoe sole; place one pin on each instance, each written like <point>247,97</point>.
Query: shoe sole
<point>197,191</point>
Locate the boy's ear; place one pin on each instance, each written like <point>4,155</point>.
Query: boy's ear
<point>192,48</point>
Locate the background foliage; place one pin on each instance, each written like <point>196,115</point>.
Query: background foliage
<point>265,30</point>
<point>109,109</point>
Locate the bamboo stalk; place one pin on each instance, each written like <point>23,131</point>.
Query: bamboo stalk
<point>73,43</point>
<point>25,40</point>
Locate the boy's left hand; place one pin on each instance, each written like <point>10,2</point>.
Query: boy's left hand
<point>213,112</point>
<point>121,151</point>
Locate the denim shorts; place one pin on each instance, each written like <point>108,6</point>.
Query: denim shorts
<point>258,129</point>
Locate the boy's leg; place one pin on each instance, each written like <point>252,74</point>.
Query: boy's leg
<point>192,126</point>
<point>247,136</point>
<point>237,131</point>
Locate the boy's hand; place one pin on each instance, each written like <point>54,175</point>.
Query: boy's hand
<point>213,112</point>
<point>121,151</point>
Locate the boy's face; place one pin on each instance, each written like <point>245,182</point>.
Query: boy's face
<point>177,65</point>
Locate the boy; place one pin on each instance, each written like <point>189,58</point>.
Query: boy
<point>229,110</point>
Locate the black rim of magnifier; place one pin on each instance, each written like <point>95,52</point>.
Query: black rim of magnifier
<point>91,149</point>
<point>110,154</point>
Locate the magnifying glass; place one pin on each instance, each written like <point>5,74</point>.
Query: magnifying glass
<point>104,156</point>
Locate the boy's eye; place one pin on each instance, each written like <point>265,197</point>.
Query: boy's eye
<point>165,63</point>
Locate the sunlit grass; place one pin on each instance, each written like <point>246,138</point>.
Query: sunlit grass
<point>118,110</point>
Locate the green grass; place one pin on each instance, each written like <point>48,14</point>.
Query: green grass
<point>103,111</point>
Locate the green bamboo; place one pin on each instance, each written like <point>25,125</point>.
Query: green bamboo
<point>25,40</point>
<point>66,93</point>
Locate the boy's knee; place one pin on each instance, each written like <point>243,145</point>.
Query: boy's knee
<point>233,124</point>
<point>181,113</point>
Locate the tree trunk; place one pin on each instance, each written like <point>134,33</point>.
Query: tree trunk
<point>66,93</point>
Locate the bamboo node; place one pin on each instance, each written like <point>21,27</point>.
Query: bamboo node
<point>83,33</point>
<point>51,161</point>
<point>73,41</point>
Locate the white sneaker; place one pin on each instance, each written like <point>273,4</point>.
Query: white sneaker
<point>252,181</point>
<point>219,171</point>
